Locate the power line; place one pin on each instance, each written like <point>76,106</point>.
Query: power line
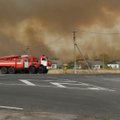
<point>58,39</point>
<point>103,33</point>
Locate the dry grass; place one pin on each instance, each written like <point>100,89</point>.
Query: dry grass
<point>70,71</point>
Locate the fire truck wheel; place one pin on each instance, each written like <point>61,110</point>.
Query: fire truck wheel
<point>32,70</point>
<point>42,70</point>
<point>4,70</point>
<point>11,70</point>
<point>46,70</point>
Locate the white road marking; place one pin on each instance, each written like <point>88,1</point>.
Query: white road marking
<point>102,88</point>
<point>87,86</point>
<point>94,88</point>
<point>58,84</point>
<point>97,87</point>
<point>11,84</point>
<point>63,84</point>
<point>27,82</point>
<point>77,84</point>
<point>11,108</point>
<point>71,81</point>
<point>57,78</point>
<point>39,80</point>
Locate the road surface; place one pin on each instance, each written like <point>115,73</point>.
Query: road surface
<point>94,95</point>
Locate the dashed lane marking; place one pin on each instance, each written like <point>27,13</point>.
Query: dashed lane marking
<point>10,108</point>
<point>27,82</point>
<point>58,85</point>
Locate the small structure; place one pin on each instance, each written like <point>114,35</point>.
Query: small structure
<point>91,64</point>
<point>95,65</point>
<point>56,64</point>
<point>114,65</point>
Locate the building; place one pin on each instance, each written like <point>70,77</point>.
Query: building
<point>56,64</point>
<point>114,65</point>
<point>96,65</point>
<point>91,64</point>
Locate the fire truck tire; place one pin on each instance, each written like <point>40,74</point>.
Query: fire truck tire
<point>41,69</point>
<point>32,70</point>
<point>11,70</point>
<point>4,70</point>
<point>46,70</point>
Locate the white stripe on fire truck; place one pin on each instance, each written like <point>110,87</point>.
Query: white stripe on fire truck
<point>8,63</point>
<point>27,82</point>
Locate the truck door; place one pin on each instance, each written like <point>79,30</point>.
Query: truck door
<point>26,65</point>
<point>44,61</point>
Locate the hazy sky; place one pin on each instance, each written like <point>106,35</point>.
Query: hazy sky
<point>46,27</point>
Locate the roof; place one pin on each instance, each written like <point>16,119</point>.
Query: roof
<point>114,62</point>
<point>91,62</point>
<point>95,62</point>
<point>58,62</point>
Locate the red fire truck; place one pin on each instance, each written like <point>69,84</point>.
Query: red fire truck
<point>24,64</point>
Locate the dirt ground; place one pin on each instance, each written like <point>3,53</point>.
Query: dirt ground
<point>16,115</point>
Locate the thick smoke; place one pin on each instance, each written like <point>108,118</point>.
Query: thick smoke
<point>39,23</point>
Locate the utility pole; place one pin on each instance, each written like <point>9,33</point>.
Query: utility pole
<point>74,42</point>
<point>103,61</point>
<point>75,49</point>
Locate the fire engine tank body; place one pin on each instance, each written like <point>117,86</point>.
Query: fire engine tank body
<point>24,64</point>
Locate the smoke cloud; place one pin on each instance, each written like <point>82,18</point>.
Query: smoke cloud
<point>46,27</point>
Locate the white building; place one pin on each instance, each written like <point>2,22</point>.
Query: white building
<point>114,65</point>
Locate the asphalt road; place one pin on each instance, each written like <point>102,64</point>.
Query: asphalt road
<point>94,95</point>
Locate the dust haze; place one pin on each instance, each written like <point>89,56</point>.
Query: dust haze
<point>46,27</point>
